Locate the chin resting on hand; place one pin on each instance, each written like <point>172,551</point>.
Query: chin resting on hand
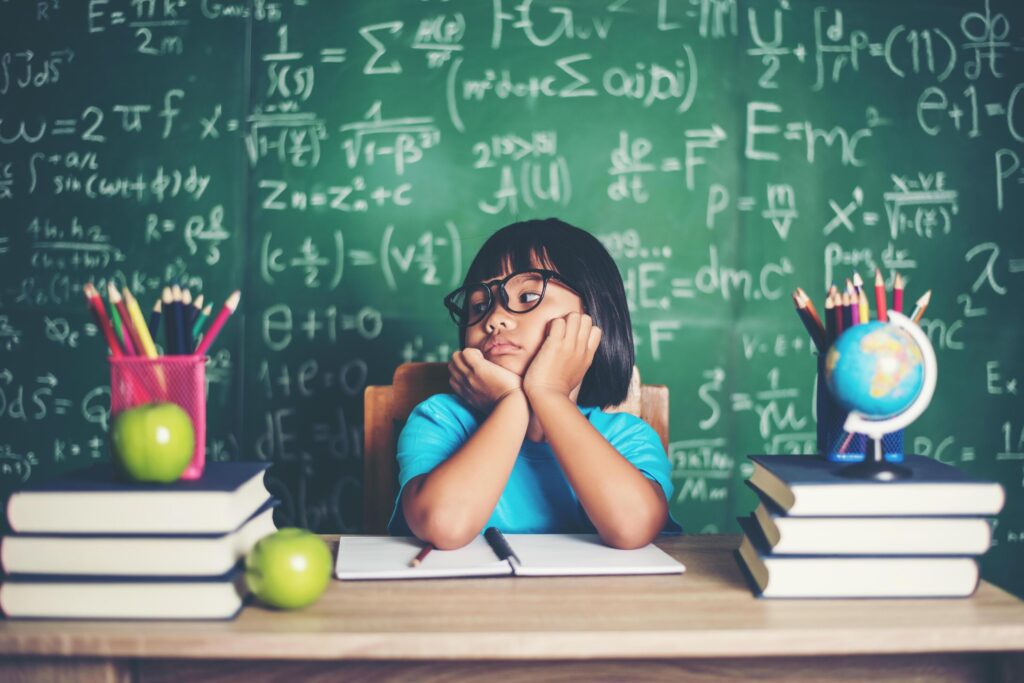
<point>480,382</point>
<point>564,357</point>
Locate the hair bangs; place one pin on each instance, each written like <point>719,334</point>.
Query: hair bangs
<point>509,251</point>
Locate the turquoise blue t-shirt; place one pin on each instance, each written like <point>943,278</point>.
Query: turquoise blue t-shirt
<point>538,498</point>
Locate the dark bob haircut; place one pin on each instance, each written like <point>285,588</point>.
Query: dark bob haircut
<point>583,260</point>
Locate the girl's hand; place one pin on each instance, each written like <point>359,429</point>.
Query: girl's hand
<point>480,382</point>
<point>564,357</point>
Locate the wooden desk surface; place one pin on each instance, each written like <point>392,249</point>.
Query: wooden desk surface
<point>706,612</point>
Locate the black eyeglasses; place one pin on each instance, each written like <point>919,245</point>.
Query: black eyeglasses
<point>520,292</point>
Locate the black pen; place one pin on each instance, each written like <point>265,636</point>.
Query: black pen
<point>500,546</point>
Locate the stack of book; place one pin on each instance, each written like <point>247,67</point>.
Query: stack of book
<point>90,546</point>
<point>818,534</point>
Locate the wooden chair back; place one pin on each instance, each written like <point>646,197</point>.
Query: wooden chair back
<point>387,408</point>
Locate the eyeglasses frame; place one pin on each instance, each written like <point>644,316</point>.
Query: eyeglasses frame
<point>543,272</point>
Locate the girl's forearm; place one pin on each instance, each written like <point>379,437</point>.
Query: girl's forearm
<point>627,509</point>
<point>451,504</point>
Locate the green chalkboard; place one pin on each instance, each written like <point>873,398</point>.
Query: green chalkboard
<point>341,162</point>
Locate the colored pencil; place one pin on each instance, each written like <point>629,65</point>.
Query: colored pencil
<point>858,283</point>
<point>148,347</point>
<point>811,323</point>
<point>96,304</point>
<point>830,320</point>
<point>922,304</point>
<point>119,331</point>
<point>422,555</point>
<point>855,309</point>
<point>810,308</point>
<point>837,299</point>
<point>883,313</point>
<point>197,308</point>
<point>137,391</point>
<point>816,328</point>
<point>229,307</point>
<point>186,305</point>
<point>194,311</point>
<point>201,320</point>
<point>154,319</point>
<point>846,442</point>
<point>897,294</point>
<point>170,334</point>
<point>862,298</point>
<point>179,320</point>
<point>127,326</point>
<point>186,321</point>
<point>115,319</point>
<point>847,311</point>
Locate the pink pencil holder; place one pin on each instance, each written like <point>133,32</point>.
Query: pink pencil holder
<point>135,381</point>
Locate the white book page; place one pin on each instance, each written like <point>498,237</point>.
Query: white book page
<point>580,554</point>
<point>388,557</point>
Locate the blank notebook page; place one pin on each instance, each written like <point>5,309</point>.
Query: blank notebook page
<point>577,554</point>
<point>388,557</point>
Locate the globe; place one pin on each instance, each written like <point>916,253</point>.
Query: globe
<point>875,369</point>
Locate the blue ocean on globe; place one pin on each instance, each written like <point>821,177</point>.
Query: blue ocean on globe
<point>875,369</point>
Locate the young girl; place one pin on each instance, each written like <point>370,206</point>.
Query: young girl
<point>522,443</point>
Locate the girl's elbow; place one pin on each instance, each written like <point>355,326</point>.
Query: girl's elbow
<point>628,539</point>
<point>447,540</point>
<point>634,532</point>
<point>445,531</point>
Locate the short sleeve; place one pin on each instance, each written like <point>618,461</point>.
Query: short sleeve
<point>436,428</point>
<point>640,444</point>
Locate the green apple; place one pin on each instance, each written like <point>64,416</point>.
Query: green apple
<point>289,568</point>
<point>153,442</point>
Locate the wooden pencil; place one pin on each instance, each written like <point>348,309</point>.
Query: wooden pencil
<point>170,322</point>
<point>862,298</point>
<point>92,297</point>
<point>130,334</point>
<point>186,321</point>
<point>229,307</point>
<point>201,320</point>
<point>880,303</point>
<point>422,555</point>
<point>154,318</point>
<point>179,320</point>
<point>830,320</point>
<point>897,293</point>
<point>809,305</point>
<point>922,304</point>
<point>139,323</point>
<point>811,322</point>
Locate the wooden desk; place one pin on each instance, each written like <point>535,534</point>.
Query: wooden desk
<point>704,622</point>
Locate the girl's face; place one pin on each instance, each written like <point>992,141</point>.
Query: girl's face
<point>511,340</point>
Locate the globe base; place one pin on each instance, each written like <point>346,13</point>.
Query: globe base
<point>876,469</point>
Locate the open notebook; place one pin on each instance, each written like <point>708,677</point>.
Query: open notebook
<point>387,557</point>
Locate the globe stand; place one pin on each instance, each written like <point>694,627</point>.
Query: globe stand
<point>876,469</point>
